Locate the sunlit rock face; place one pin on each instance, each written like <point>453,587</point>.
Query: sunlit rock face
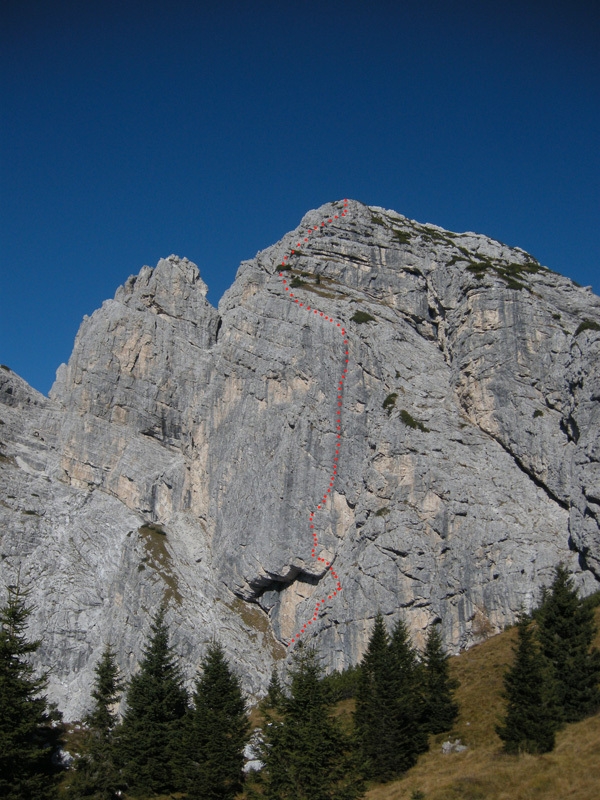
<point>182,449</point>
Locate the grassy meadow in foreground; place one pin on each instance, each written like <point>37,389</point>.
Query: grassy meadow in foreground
<point>483,772</point>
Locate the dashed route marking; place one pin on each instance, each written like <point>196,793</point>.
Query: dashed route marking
<point>338,422</point>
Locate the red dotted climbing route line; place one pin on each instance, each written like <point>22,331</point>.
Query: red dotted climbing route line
<point>340,387</point>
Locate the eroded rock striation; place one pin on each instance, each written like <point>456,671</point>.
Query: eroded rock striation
<point>182,447</point>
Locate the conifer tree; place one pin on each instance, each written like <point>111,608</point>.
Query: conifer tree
<point>440,708</point>
<point>410,733</point>
<point>306,754</point>
<point>566,630</point>
<point>389,704</point>
<point>26,738</point>
<point>342,684</point>
<point>216,732</point>
<point>530,722</point>
<point>274,694</point>
<point>148,737</point>
<point>96,774</point>
<point>372,698</point>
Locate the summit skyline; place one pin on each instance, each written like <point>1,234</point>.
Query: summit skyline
<point>137,130</point>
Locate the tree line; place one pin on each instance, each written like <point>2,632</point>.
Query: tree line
<point>169,741</point>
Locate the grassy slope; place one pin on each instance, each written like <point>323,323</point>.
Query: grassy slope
<point>571,771</point>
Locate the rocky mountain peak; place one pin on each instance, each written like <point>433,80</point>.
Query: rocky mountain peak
<point>184,449</point>
<point>173,288</point>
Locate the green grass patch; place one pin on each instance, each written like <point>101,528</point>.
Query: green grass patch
<point>390,402</point>
<point>478,270</point>
<point>257,619</point>
<point>297,282</point>
<point>456,260</point>
<point>402,237</point>
<point>361,317</point>
<point>320,286</point>
<point>538,413</point>
<point>511,273</point>
<point>433,235</point>
<point>329,295</point>
<point>382,512</point>
<point>411,422</point>
<point>159,560</point>
<point>587,325</point>
<point>512,284</point>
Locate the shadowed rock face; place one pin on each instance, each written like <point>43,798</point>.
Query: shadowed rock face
<point>182,448</point>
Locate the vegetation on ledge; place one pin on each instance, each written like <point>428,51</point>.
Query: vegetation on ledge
<point>587,325</point>
<point>361,317</point>
<point>411,422</point>
<point>390,402</point>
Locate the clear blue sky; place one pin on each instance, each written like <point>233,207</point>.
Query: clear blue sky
<point>133,130</point>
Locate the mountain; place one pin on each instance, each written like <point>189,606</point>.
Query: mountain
<point>199,453</point>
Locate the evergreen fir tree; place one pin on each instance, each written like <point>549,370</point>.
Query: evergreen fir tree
<point>389,704</point>
<point>373,698</point>
<point>343,684</point>
<point>216,732</point>
<point>96,774</point>
<point>530,722</point>
<point>411,737</point>
<point>26,738</point>
<point>306,754</point>
<point>566,630</point>
<point>274,692</point>
<point>148,738</point>
<point>440,708</point>
<point>106,694</point>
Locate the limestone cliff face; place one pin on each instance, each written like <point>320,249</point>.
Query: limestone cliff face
<point>182,448</point>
